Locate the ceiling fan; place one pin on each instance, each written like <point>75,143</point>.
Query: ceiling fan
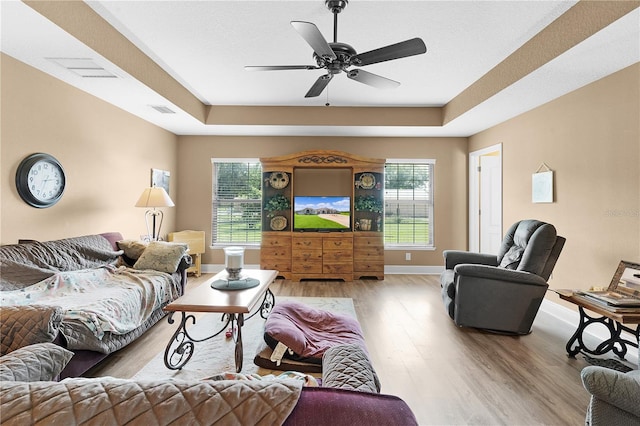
<point>337,57</point>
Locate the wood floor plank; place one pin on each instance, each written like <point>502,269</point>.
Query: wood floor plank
<point>447,375</point>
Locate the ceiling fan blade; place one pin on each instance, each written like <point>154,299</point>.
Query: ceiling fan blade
<point>319,86</point>
<point>314,37</point>
<point>414,46</point>
<point>279,67</point>
<point>371,79</point>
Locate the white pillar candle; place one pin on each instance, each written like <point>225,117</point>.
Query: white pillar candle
<point>234,261</point>
<point>234,257</point>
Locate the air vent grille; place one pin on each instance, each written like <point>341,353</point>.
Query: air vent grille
<point>84,67</point>
<point>163,109</point>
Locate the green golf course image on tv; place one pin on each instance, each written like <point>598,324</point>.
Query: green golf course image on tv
<point>322,214</point>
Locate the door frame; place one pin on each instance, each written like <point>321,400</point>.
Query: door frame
<point>474,193</point>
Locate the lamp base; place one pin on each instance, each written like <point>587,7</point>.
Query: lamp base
<point>154,230</point>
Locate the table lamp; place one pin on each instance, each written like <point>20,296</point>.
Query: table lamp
<point>153,197</point>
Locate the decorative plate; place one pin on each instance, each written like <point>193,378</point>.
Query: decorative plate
<point>279,180</point>
<point>367,181</point>
<point>278,223</point>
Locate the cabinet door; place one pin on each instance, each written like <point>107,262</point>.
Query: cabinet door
<point>368,248</point>
<point>275,252</point>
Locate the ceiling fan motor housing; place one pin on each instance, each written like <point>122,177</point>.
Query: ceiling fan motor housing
<point>343,53</point>
<point>336,6</point>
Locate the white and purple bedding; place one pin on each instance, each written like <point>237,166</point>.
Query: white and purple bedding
<point>108,299</point>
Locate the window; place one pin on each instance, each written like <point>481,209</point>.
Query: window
<point>408,198</point>
<point>237,201</point>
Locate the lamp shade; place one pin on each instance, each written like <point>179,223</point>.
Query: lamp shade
<point>155,196</point>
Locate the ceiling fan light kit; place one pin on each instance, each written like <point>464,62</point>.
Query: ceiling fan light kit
<point>337,57</point>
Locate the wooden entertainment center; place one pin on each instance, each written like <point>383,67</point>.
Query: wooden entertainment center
<point>348,254</point>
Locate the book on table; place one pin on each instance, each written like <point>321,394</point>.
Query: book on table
<point>612,298</point>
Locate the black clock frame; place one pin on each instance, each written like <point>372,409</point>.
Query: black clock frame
<point>22,180</point>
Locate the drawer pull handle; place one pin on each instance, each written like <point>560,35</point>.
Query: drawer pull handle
<point>338,243</point>
<point>306,243</point>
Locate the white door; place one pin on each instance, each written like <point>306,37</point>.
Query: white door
<point>485,195</point>
<point>490,203</point>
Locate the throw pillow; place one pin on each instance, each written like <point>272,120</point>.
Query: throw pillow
<point>33,363</point>
<point>162,256</point>
<point>132,249</point>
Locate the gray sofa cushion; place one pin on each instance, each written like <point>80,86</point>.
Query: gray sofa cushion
<point>348,367</point>
<point>33,363</point>
<point>25,325</point>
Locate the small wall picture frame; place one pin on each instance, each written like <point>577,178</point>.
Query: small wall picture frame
<point>542,185</point>
<point>160,178</point>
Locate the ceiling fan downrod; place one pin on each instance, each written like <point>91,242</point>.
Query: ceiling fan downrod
<point>336,6</point>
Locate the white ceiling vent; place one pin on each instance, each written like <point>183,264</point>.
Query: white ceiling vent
<point>84,67</point>
<point>163,109</point>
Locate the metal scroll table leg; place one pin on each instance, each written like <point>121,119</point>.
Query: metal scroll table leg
<point>615,343</point>
<point>239,352</point>
<point>181,345</point>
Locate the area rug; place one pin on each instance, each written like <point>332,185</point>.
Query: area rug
<point>217,354</point>
<point>613,364</point>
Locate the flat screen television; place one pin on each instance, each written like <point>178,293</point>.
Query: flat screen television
<point>321,214</point>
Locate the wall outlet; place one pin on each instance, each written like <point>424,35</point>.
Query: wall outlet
<point>407,256</point>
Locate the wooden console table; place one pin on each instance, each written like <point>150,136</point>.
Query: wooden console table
<point>612,317</point>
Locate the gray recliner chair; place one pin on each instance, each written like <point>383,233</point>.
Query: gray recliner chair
<point>502,292</point>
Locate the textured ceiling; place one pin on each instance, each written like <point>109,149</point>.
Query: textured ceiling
<point>204,46</point>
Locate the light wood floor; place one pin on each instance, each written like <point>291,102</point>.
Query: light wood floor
<point>447,375</point>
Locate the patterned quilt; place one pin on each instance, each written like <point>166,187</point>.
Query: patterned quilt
<point>109,401</point>
<point>106,299</point>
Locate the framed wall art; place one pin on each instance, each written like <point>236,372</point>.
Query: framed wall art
<point>160,178</point>
<point>542,185</point>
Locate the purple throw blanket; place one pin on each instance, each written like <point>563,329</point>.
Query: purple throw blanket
<point>309,332</point>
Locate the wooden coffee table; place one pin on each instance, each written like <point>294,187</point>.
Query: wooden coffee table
<point>232,304</point>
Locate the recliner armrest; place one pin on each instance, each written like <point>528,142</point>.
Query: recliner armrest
<point>456,257</point>
<point>499,274</point>
<point>614,387</point>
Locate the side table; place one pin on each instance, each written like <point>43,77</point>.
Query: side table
<point>613,318</point>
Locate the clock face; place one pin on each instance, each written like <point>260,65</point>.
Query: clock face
<point>40,180</point>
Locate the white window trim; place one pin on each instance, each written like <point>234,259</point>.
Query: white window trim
<point>399,247</point>
<point>249,246</point>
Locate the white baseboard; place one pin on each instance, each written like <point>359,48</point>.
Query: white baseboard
<point>388,269</point>
<point>214,268</point>
<point>413,270</point>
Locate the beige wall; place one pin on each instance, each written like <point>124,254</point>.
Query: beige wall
<point>107,155</point>
<point>591,139</point>
<point>194,190</point>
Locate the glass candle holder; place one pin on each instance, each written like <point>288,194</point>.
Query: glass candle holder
<point>234,261</point>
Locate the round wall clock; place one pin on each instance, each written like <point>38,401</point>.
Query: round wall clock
<point>40,180</point>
